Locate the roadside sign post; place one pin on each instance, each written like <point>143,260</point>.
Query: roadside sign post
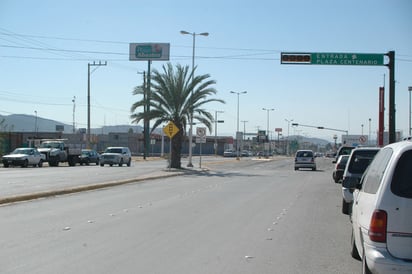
<point>200,138</point>
<point>170,130</point>
<point>350,59</point>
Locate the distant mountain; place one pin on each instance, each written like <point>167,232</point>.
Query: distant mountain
<point>311,140</point>
<point>31,123</point>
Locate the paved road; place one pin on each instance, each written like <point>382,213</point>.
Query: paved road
<point>238,217</point>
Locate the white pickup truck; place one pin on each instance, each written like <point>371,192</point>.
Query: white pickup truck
<point>57,151</point>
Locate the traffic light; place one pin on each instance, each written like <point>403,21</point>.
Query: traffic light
<point>295,58</point>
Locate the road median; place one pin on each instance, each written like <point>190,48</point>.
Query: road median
<point>76,189</point>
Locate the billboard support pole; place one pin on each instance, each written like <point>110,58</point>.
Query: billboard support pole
<point>147,109</point>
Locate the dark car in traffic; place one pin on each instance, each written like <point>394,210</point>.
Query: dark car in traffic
<point>89,156</point>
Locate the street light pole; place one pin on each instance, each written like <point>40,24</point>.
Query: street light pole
<point>287,148</point>
<point>237,130</point>
<point>410,89</point>
<point>267,110</point>
<point>193,74</point>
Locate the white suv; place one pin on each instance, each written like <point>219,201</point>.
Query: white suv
<point>382,212</point>
<point>116,156</point>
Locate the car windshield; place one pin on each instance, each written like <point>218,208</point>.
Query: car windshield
<point>113,150</point>
<point>344,159</point>
<point>346,150</point>
<point>50,145</point>
<point>22,151</point>
<point>86,153</point>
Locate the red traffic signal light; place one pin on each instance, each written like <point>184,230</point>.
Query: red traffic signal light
<point>295,58</point>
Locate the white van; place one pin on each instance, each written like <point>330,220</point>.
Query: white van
<point>382,212</point>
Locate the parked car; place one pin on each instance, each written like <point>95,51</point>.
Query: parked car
<point>116,156</point>
<point>23,157</point>
<point>229,153</point>
<point>89,156</point>
<point>381,213</point>
<point>246,153</point>
<point>358,161</point>
<point>339,168</point>
<point>305,159</point>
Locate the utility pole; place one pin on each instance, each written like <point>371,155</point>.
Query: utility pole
<point>392,111</point>
<point>88,97</point>
<point>216,122</point>
<point>74,111</point>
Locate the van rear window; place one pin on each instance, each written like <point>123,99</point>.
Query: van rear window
<point>304,154</point>
<point>360,160</point>
<point>402,177</point>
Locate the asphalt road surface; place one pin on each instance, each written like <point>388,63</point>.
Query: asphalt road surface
<point>237,217</point>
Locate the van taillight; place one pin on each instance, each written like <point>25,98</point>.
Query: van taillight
<point>377,227</point>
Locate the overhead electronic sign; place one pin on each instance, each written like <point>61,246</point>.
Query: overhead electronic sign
<point>332,58</point>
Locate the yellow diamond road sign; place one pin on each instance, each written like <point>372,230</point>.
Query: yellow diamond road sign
<point>170,129</point>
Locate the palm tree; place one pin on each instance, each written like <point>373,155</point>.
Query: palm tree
<point>174,96</point>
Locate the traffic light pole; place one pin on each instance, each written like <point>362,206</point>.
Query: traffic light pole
<point>392,111</point>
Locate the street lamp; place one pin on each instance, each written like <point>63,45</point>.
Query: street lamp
<point>193,72</point>
<point>410,89</point>
<point>267,110</point>
<point>237,130</point>
<point>369,133</point>
<point>287,148</point>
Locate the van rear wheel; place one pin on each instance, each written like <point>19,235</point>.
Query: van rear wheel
<point>354,251</point>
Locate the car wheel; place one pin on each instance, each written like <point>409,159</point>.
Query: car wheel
<point>296,168</point>
<point>365,267</point>
<point>314,169</point>
<point>354,251</point>
<point>129,163</point>
<point>101,164</point>
<point>40,164</point>
<point>121,162</point>
<point>25,163</point>
<point>5,165</point>
<point>110,164</point>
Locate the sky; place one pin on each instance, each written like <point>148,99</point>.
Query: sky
<point>46,45</point>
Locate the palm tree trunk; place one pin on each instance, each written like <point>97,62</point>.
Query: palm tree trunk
<point>176,150</point>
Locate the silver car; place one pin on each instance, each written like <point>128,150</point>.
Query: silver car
<point>23,157</point>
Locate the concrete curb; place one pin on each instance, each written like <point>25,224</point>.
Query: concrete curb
<point>57,192</point>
